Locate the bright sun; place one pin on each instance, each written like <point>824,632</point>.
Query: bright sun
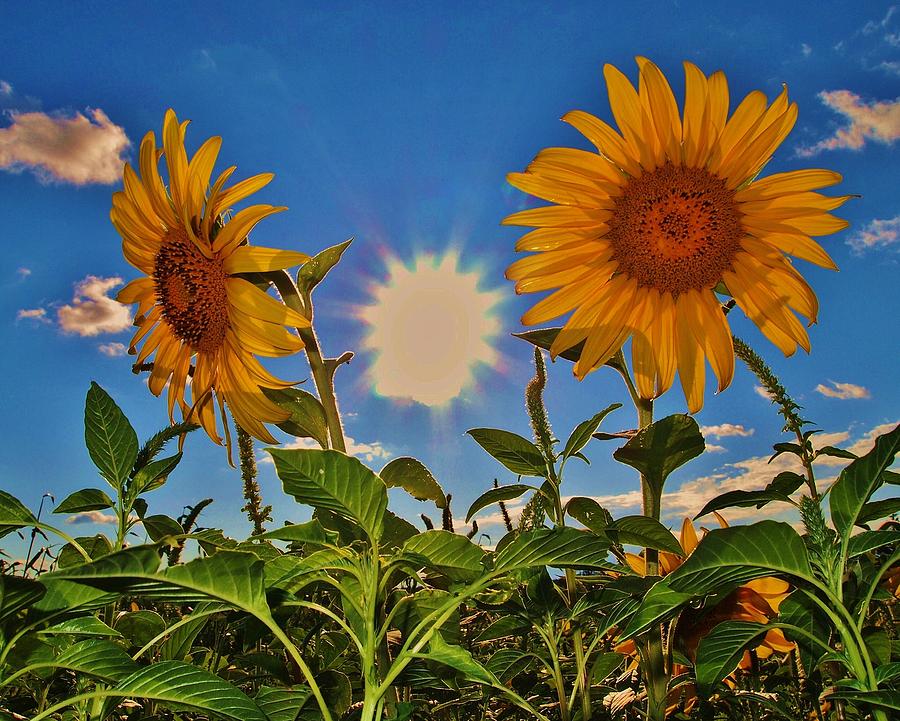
<point>428,326</point>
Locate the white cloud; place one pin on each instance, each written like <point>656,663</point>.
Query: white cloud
<point>78,150</point>
<point>37,314</point>
<point>877,121</point>
<point>368,452</point>
<point>5,88</point>
<point>113,350</point>
<point>92,311</point>
<point>843,391</point>
<point>873,26</point>
<point>23,272</point>
<point>806,50</point>
<point>878,233</point>
<point>715,448</point>
<point>762,393</point>
<point>724,430</point>
<point>92,517</point>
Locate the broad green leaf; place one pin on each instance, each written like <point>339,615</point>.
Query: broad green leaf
<point>457,658</point>
<point>584,430</point>
<point>544,337</point>
<point>338,694</point>
<point>557,547</point>
<point>884,699</point>
<point>108,572</point>
<point>859,480</point>
<point>644,531</point>
<point>835,453</point>
<point>661,447</point>
<point>180,684</point>
<point>307,414</point>
<point>412,609</point>
<point>111,441</point>
<point>780,448</point>
<point>518,454</point>
<point>87,499</point>
<point>159,526</point>
<point>661,601</point>
<point>887,672</point>
<point>313,271</point>
<point>504,627</point>
<point>282,704</point>
<point>589,513</point>
<point>139,627</point>
<point>740,554</point>
<point>412,476</point>
<point>395,531</point>
<point>177,645</point>
<point>65,597</point>
<point>17,593</point>
<point>98,658</point>
<point>799,611</point>
<point>82,626</point>
<point>604,665</point>
<point>495,495</point>
<point>721,650</point>
<point>154,474</point>
<point>870,540</point>
<point>786,482</point>
<point>742,499</point>
<point>448,553</point>
<point>310,532</point>
<point>878,644</point>
<point>873,510</point>
<point>508,663</point>
<point>13,515</point>
<point>95,547</point>
<point>335,482</point>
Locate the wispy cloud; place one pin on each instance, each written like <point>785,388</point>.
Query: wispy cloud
<point>35,314</point>
<point>715,448</point>
<point>23,272</point>
<point>877,120</point>
<point>5,88</point>
<point>725,430</point>
<point>91,517</point>
<point>878,233</point>
<point>875,26</point>
<point>80,150</point>
<point>92,311</point>
<point>113,350</point>
<point>762,392</point>
<point>806,49</point>
<point>368,452</point>
<point>843,391</point>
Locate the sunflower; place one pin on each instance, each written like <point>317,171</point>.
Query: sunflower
<point>195,312</point>
<point>666,214</point>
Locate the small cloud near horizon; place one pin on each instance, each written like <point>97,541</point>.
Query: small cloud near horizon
<point>877,120</point>
<point>80,150</point>
<point>726,429</point>
<point>842,391</point>
<point>91,517</point>
<point>113,350</point>
<point>364,451</point>
<point>35,314</point>
<point>878,233</point>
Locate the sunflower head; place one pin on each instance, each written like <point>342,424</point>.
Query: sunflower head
<point>201,323</point>
<point>664,217</point>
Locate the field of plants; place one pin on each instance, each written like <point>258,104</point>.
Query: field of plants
<point>359,614</point>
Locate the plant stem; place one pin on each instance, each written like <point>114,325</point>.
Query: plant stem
<point>256,512</point>
<point>323,376</point>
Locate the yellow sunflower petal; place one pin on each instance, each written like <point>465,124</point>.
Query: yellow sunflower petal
<point>236,230</point>
<point>562,301</point>
<point>556,238</point>
<point>239,191</point>
<point>254,259</point>
<point>690,358</point>
<point>696,93</point>
<point>559,216</point>
<point>626,109</point>
<point>176,159</point>
<point>605,139</point>
<point>246,297</point>
<point>199,171</point>
<point>557,191</point>
<point>793,181</point>
<point>664,109</point>
<point>610,331</point>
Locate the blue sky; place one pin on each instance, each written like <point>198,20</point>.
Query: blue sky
<point>396,123</point>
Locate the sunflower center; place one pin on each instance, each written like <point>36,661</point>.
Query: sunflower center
<point>675,229</point>
<point>191,290</point>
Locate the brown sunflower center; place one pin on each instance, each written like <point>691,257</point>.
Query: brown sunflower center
<point>675,229</point>
<point>191,290</point>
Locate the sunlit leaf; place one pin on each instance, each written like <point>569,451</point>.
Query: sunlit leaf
<point>495,495</point>
<point>661,447</point>
<point>453,555</point>
<point>644,531</point>
<point>111,441</point>
<point>412,476</point>
<point>518,454</point>
<point>13,515</point>
<point>313,271</point>
<point>87,499</point>
<point>721,650</point>
<point>307,414</point>
<point>584,430</point>
<point>557,547</point>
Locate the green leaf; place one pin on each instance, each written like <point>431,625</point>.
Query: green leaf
<point>557,547</point>
<point>87,499</point>
<point>13,515</point>
<point>111,441</point>
<point>178,684</point>
<point>335,482</point>
<point>661,447</point>
<point>504,627</point>
<point>282,704</point>
<point>98,658</point>
<point>139,627</point>
<point>154,474</point>
<point>518,454</point>
<point>584,430</point>
<point>410,610</point>
<point>412,476</point>
<point>82,626</point>
<point>159,526</point>
<point>453,555</point>
<point>544,337</point>
<point>313,271</point>
<point>589,513</point>
<point>785,482</point>
<point>95,547</point>
<point>859,480</point>
<point>644,531</point>
<point>604,665</point>
<point>873,510</point>
<point>742,499</point>
<point>495,495</point>
<point>721,650</point>
<point>878,644</point>
<point>309,532</point>
<point>396,531</point>
<point>879,699</point>
<point>799,611</point>
<point>307,414</point>
<point>508,663</point>
<point>740,554</point>
<point>179,642</point>
<point>834,453</point>
<point>887,672</point>
<point>870,540</point>
<point>457,658</point>
<point>780,448</point>
<point>659,602</point>
<point>17,593</point>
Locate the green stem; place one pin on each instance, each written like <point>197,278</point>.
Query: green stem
<point>322,375</point>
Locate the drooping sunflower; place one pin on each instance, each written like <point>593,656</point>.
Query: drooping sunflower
<point>666,214</point>
<point>200,321</point>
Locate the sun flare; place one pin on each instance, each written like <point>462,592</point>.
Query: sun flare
<point>429,325</point>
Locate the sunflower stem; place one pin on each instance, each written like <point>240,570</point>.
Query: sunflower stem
<point>323,376</point>
<point>256,512</point>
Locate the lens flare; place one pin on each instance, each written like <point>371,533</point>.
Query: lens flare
<point>429,325</point>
